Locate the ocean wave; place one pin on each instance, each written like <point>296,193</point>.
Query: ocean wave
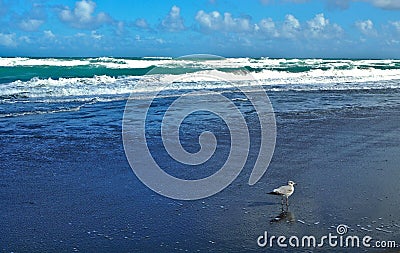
<point>107,62</point>
<point>38,112</point>
<point>290,65</point>
<point>98,86</point>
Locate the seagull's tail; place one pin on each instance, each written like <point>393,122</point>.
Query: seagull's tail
<point>274,193</point>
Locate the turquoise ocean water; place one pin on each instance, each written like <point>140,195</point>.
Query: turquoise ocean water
<point>53,83</point>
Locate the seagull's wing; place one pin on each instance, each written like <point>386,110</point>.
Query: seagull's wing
<point>284,190</point>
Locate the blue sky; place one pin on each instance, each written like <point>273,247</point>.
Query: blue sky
<point>269,28</point>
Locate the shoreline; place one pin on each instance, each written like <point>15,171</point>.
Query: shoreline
<point>82,195</point>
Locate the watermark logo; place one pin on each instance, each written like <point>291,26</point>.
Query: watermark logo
<point>341,229</point>
<point>143,162</point>
<point>339,240</point>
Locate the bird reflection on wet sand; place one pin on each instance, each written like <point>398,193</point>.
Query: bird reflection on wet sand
<point>284,216</point>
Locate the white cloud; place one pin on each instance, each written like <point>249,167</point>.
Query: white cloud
<point>211,21</point>
<point>366,27</point>
<point>291,27</point>
<point>49,34</point>
<point>344,4</point>
<point>30,20</point>
<point>8,40</point>
<point>80,35</point>
<point>214,21</point>
<point>96,36</point>
<point>173,22</point>
<point>120,28</point>
<point>30,25</point>
<point>25,39</point>
<point>392,42</point>
<point>340,4</point>
<point>320,27</point>
<point>160,41</point>
<point>267,26</point>
<point>385,4</point>
<point>82,15</point>
<point>236,24</point>
<point>396,25</point>
<point>141,23</point>
<point>318,24</point>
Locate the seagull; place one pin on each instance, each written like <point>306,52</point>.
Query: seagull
<point>284,191</point>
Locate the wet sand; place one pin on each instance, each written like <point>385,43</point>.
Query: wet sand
<point>66,194</point>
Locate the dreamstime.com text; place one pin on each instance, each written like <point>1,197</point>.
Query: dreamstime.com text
<point>340,239</point>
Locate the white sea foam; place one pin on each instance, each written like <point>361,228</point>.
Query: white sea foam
<point>355,79</point>
<point>107,62</point>
<point>274,74</point>
<point>20,61</point>
<point>64,87</point>
<point>264,63</point>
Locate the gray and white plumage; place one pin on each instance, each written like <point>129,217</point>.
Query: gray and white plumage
<point>284,191</point>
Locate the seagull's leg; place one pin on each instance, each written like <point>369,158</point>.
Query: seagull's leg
<point>287,201</point>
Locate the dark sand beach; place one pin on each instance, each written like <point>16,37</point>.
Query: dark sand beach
<point>66,188</point>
